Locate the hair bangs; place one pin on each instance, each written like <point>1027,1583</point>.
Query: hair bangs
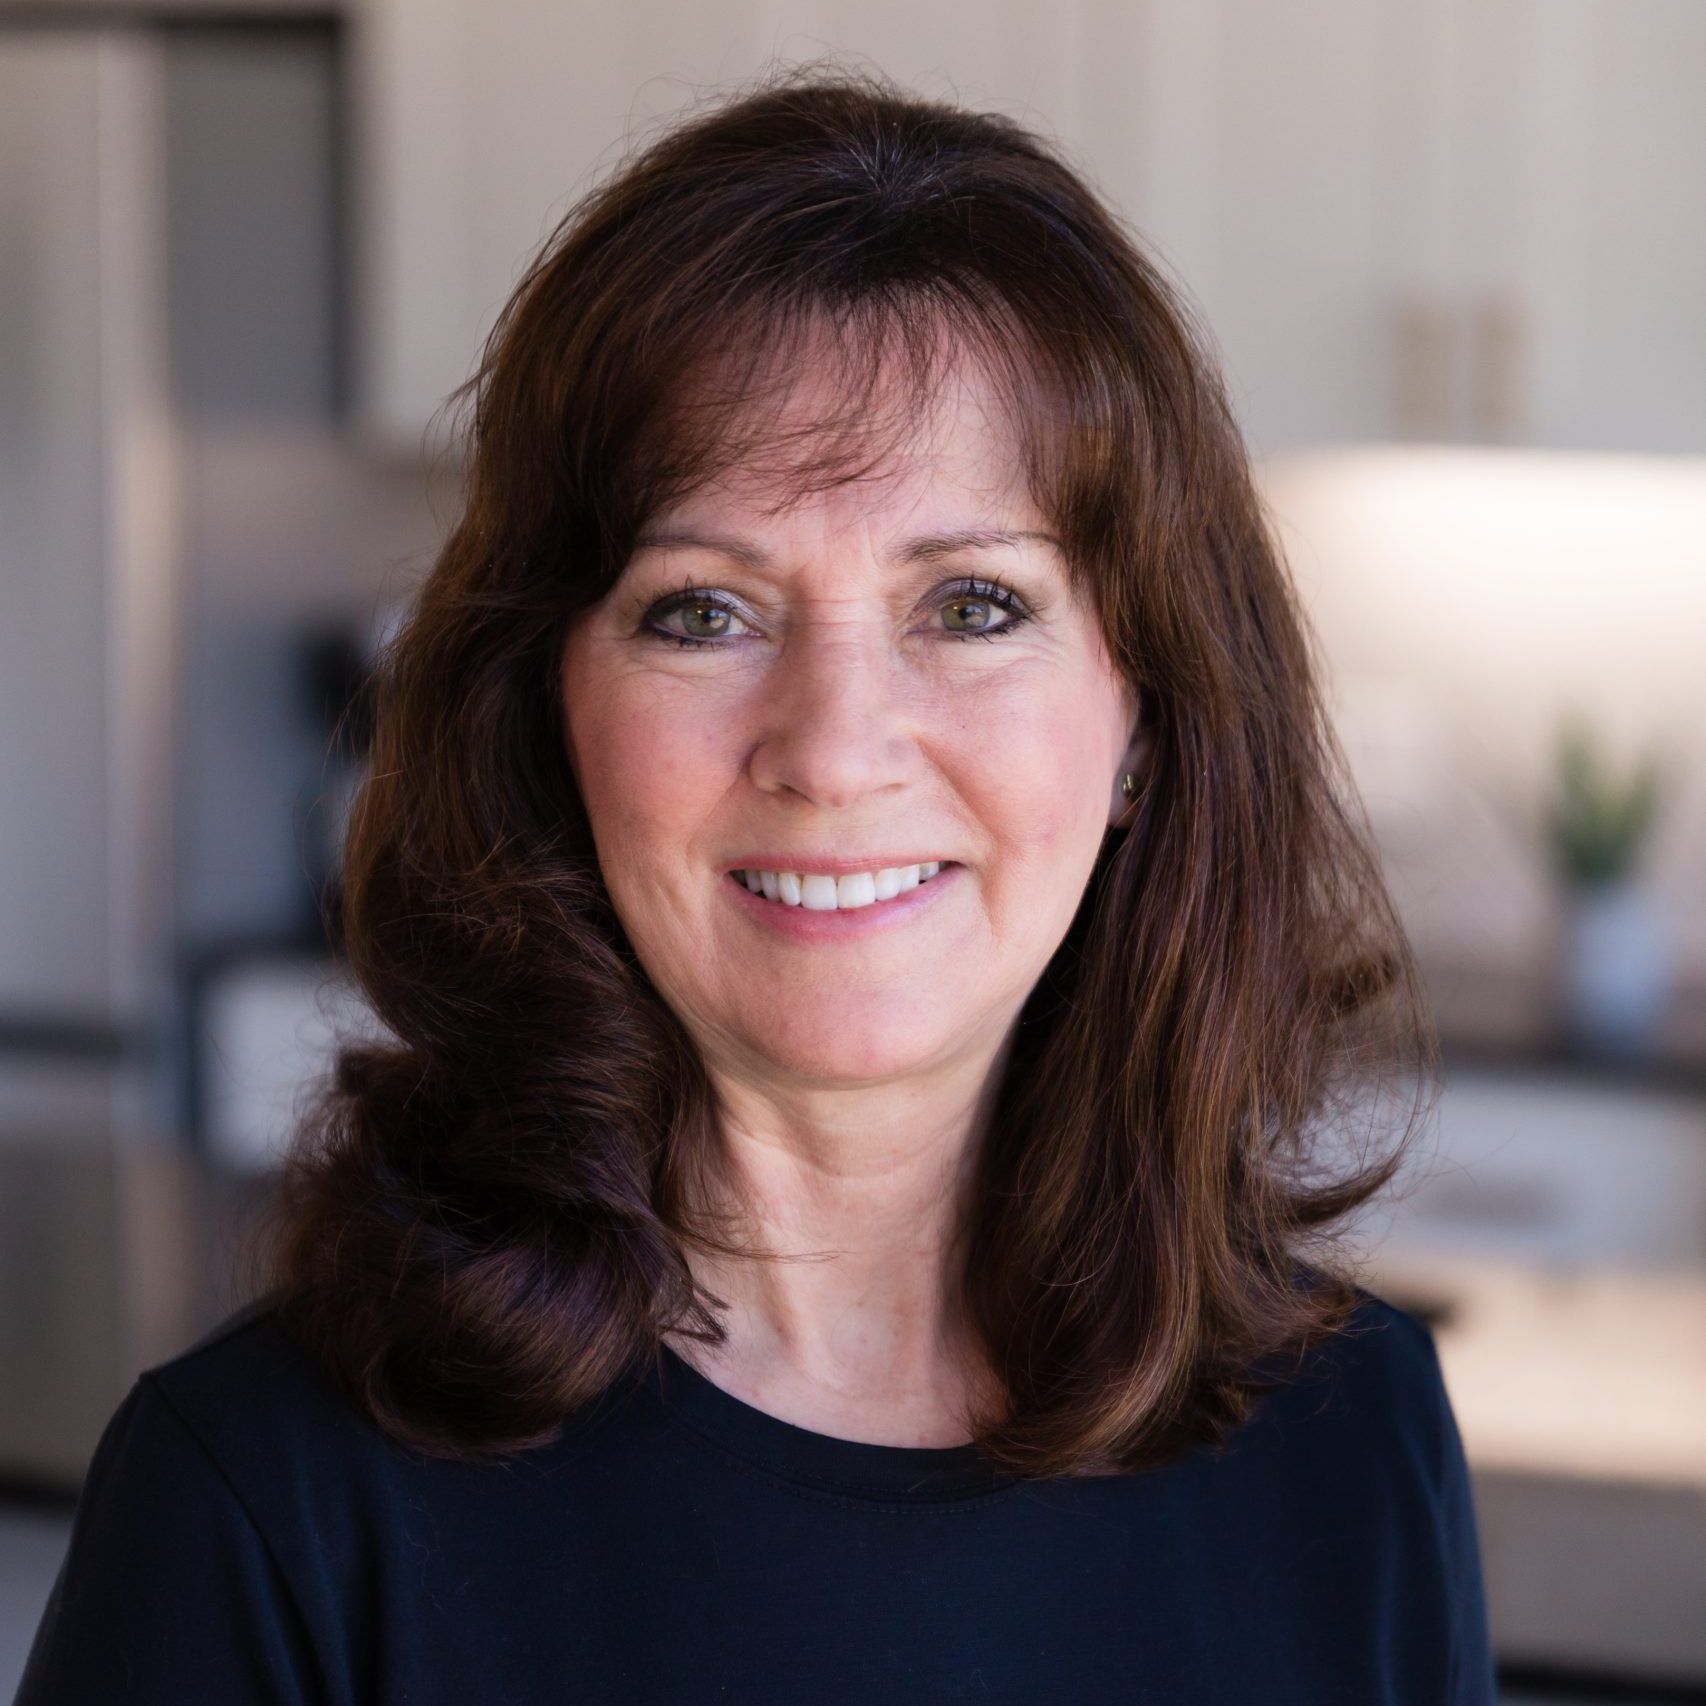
<point>878,368</point>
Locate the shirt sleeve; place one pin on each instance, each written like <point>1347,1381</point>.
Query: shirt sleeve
<point>168,1592</point>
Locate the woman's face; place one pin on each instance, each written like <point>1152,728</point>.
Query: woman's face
<point>857,705</point>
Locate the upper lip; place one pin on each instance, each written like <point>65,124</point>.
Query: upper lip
<point>836,867</point>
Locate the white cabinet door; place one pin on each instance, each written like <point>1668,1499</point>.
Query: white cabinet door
<point>1477,221</point>
<point>1578,191</point>
<point>481,123</point>
<point>1249,145</point>
<point>1245,144</point>
<point>1458,220</point>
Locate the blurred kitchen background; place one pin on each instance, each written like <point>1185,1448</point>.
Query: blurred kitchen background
<point>1453,253</point>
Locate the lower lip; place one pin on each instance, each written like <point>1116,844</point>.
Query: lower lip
<point>804,925</point>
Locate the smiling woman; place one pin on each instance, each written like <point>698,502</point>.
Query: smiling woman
<point>842,1213</point>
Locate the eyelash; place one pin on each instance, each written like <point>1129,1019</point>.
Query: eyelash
<point>989,592</point>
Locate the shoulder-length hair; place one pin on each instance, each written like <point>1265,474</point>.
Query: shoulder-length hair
<point>484,1222</point>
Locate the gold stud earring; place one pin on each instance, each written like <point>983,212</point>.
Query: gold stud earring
<point>1128,785</point>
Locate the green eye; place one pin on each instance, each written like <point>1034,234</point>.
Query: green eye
<point>697,608</point>
<point>714,617</point>
<point>981,599</point>
<point>978,615</point>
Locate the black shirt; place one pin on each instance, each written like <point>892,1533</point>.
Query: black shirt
<point>245,1536</point>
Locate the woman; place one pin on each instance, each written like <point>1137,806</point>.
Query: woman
<point>873,939</point>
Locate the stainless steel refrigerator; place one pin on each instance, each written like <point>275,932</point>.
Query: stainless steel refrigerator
<point>88,552</point>
<point>144,330</point>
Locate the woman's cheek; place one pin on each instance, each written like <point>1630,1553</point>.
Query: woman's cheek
<point>1059,782</point>
<point>646,763</point>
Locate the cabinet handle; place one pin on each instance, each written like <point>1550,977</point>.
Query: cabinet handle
<point>1497,370</point>
<point>1425,369</point>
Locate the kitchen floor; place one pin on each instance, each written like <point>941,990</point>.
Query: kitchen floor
<point>32,1543</point>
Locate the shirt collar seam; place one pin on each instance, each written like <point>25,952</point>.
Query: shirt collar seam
<point>831,1492</point>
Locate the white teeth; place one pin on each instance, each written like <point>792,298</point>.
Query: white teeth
<point>817,892</point>
<point>858,888</point>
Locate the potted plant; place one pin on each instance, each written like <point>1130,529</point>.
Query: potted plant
<point>1615,961</point>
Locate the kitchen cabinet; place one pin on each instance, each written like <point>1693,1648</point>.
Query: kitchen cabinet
<point>1460,220</point>
<point>1463,221</point>
<point>1250,147</point>
<point>1246,143</point>
<point>1574,251</point>
<point>478,122</point>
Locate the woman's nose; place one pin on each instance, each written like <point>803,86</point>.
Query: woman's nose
<point>838,723</point>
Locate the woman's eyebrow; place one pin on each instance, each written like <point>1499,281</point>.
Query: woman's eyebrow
<point>925,548</point>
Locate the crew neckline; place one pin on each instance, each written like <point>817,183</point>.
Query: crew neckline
<point>822,1463</point>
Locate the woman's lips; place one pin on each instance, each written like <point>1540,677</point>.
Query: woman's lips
<point>805,925</point>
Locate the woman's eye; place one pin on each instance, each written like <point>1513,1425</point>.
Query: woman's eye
<point>974,610</point>
<point>986,609</point>
<point>705,620</point>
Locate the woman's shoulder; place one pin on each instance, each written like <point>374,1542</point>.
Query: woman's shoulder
<point>291,1441</point>
<point>1379,1339</point>
<point>245,1387</point>
<point>199,1546</point>
<point>266,1422</point>
<point>245,1418</point>
<point>1386,1342</point>
<point>1390,1355</point>
<point>1367,1400</point>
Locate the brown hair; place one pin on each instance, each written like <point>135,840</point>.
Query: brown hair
<point>484,1223</point>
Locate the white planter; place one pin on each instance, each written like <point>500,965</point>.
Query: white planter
<point>1616,967</point>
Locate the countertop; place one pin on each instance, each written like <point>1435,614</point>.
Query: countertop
<point>1580,1394</point>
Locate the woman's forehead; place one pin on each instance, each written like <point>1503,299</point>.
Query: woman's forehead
<point>957,464</point>
<point>970,486</point>
<point>841,423</point>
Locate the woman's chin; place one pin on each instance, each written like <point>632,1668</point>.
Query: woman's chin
<point>852,1052</point>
